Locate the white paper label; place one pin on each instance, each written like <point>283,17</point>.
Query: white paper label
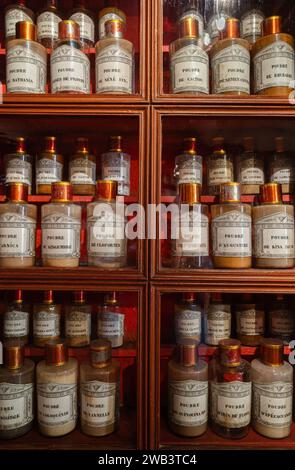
<point>103,20</point>
<point>18,171</point>
<point>274,236</point>
<point>217,324</point>
<point>282,322</point>
<point>220,171</point>
<point>82,171</point>
<point>12,17</point>
<point>273,404</point>
<point>48,171</point>
<point>17,236</point>
<point>60,236</point>
<point>46,324</point>
<point>70,70</point>
<point>98,403</point>
<point>190,70</point>
<point>16,405</point>
<point>116,167</point>
<point>231,70</point>
<point>25,70</point>
<point>193,235</point>
<point>188,323</point>
<point>282,171</point>
<point>190,171</point>
<point>274,66</point>
<point>250,174</point>
<point>232,235</point>
<point>47,25</point>
<point>77,324</point>
<point>250,322</point>
<point>231,403</point>
<point>110,325</point>
<point>86,25</point>
<point>57,404</point>
<point>114,70</point>
<point>251,25</point>
<point>16,324</point>
<point>188,402</point>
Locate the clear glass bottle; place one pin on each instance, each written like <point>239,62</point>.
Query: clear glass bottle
<point>16,392</point>
<point>16,320</point>
<point>251,21</point>
<point>188,318</point>
<point>231,230</point>
<point>17,229</point>
<point>110,321</point>
<point>14,13</point>
<point>230,391</point>
<point>46,320</point>
<point>189,165</point>
<point>189,62</point>
<point>273,60</point>
<point>114,63</point>
<point>187,391</point>
<point>216,13</point>
<point>85,19</point>
<point>281,320</point>
<point>70,66</point>
<point>220,167</point>
<point>250,166</point>
<point>273,230</point>
<point>61,228</point>
<point>83,169</point>
<point>250,321</point>
<point>47,23</point>
<point>49,167</point>
<point>106,221</point>
<point>100,391</point>
<point>282,167</point>
<point>26,62</point>
<point>19,165</point>
<point>57,380</point>
<point>110,12</point>
<point>272,379</point>
<point>116,166</point>
<point>78,321</point>
<point>217,324</point>
<point>190,246</point>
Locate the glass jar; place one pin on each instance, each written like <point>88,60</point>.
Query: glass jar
<point>14,13</point>
<point>188,318</point>
<point>47,23</point>
<point>220,168</point>
<point>83,169</point>
<point>250,321</point>
<point>85,19</point>
<point>110,321</point>
<point>78,322</point>
<point>282,167</point>
<point>281,319</point>
<point>116,166</point>
<point>49,167</point>
<point>46,321</point>
<point>217,322</point>
<point>16,320</point>
<point>19,165</point>
<point>250,168</point>
<point>189,165</point>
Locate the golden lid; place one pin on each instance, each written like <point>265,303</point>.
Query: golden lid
<point>272,25</point>
<point>189,193</point>
<point>14,354</point>
<point>271,193</point>
<point>232,28</point>
<point>189,27</point>
<point>18,192</point>
<point>115,28</point>
<point>106,190</point>
<point>272,351</point>
<point>56,353</point>
<point>61,191</point>
<point>100,352</point>
<point>230,193</point>
<point>26,30</point>
<point>230,352</point>
<point>69,29</point>
<point>187,351</point>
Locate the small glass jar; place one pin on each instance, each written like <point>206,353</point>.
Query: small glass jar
<point>250,168</point>
<point>46,321</point>
<point>47,23</point>
<point>14,13</point>
<point>109,13</point>
<point>116,166</point>
<point>82,169</point>
<point>250,321</point>
<point>188,318</point>
<point>282,167</point>
<point>49,167</point>
<point>16,320</point>
<point>85,19</point>
<point>110,321</point>
<point>220,168</point>
<point>217,322</point>
<point>19,165</point>
<point>189,165</point>
<point>281,320</point>
<point>78,322</point>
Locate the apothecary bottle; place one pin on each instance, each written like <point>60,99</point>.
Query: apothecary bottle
<point>231,229</point>
<point>85,19</point>
<point>110,321</point>
<point>217,320</point>
<point>251,22</point>
<point>216,13</point>
<point>83,169</point>
<point>78,321</point>
<point>46,320</point>
<point>189,62</point>
<point>190,246</point>
<point>250,168</point>
<point>282,167</point>
<point>70,66</point>
<point>110,12</point>
<point>220,168</point>
<point>57,381</point>
<point>14,13</point>
<point>16,392</point>
<point>187,391</point>
<point>116,166</point>
<point>106,222</point>
<point>281,319</point>
<point>230,62</point>
<point>16,319</point>
<point>188,317</point>
<point>114,63</point>
<point>100,391</point>
<point>272,379</point>
<point>189,164</point>
<point>17,229</point>
<point>195,10</point>
<point>250,321</point>
<point>61,228</point>
<point>273,230</point>
<point>273,60</point>
<point>19,165</point>
<point>26,61</point>
<point>49,167</point>
<point>47,23</point>
<point>230,391</point>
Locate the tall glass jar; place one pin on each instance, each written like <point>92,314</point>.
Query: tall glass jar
<point>220,168</point>
<point>78,321</point>
<point>251,21</point>
<point>46,320</point>
<point>85,19</point>
<point>250,168</point>
<point>217,324</point>
<point>14,13</point>
<point>83,169</point>
<point>188,317</point>
<point>49,167</point>
<point>110,12</point>
<point>189,164</point>
<point>19,165</point>
<point>110,321</point>
<point>281,319</point>
<point>250,321</point>
<point>281,167</point>
<point>47,23</point>
<point>16,320</point>
<point>116,166</point>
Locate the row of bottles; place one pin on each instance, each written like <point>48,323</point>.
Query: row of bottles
<point>45,320</point>
<point>83,173</point>
<point>232,393</point>
<point>56,385</point>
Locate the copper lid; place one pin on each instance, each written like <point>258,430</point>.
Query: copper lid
<point>272,25</point>
<point>272,351</point>
<point>111,298</point>
<point>271,193</point>
<point>187,351</point>
<point>26,30</point>
<point>50,144</point>
<point>280,144</point>
<point>18,296</point>
<point>56,353</point>
<point>189,296</point>
<point>18,192</point>
<point>248,143</point>
<point>106,190</point>
<point>69,29</point>
<point>83,145</point>
<point>189,193</point>
<point>232,28</point>
<point>13,353</point>
<point>230,352</point>
<point>48,297</point>
<point>116,143</point>
<point>61,191</point>
<point>20,145</point>
<point>189,27</point>
<point>100,352</point>
<point>115,28</point>
<point>190,145</point>
<point>79,297</point>
<point>230,193</point>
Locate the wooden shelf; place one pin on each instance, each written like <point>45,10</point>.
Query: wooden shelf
<point>205,351</point>
<point>126,351</point>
